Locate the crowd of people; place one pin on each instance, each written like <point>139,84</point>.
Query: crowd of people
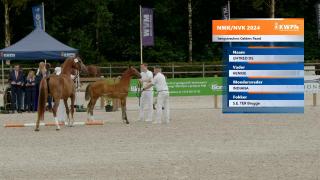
<point>25,88</point>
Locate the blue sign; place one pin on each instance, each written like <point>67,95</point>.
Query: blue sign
<point>38,16</point>
<point>264,80</point>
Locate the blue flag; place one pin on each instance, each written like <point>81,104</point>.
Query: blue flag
<point>38,16</point>
<point>147,26</point>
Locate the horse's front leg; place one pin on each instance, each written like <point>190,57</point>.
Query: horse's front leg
<point>54,110</point>
<point>65,101</point>
<point>73,97</point>
<point>124,110</point>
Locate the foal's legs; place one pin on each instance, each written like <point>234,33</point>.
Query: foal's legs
<point>91,105</point>
<point>124,110</point>
<point>88,110</point>
<point>65,101</point>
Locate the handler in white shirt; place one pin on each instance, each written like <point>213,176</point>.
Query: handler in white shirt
<point>146,99</point>
<point>159,81</point>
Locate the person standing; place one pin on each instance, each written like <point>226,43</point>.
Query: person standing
<point>146,99</point>
<point>30,92</point>
<point>159,81</point>
<point>16,80</point>
<point>41,73</point>
<point>38,80</point>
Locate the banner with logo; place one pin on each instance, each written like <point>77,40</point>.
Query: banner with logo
<point>38,16</point>
<point>188,86</point>
<point>311,84</point>
<point>225,12</point>
<point>147,26</point>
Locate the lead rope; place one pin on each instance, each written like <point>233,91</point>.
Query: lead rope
<point>77,82</point>
<point>139,91</point>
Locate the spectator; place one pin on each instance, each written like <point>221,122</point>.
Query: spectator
<point>16,80</point>
<point>41,73</point>
<point>30,93</point>
<point>38,79</point>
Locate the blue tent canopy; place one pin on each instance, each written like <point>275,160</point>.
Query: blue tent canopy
<point>37,45</point>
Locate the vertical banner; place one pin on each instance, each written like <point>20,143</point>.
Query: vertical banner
<point>226,11</point>
<point>38,16</point>
<point>147,27</point>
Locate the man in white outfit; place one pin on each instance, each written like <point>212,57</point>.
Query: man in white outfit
<point>146,99</point>
<point>159,81</point>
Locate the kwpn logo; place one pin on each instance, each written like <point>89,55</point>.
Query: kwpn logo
<point>286,27</point>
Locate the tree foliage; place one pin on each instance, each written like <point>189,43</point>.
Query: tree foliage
<point>108,30</point>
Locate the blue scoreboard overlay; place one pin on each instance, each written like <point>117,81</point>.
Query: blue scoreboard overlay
<point>264,79</point>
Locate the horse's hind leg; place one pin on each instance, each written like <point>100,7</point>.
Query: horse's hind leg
<point>54,110</point>
<point>89,109</point>
<point>124,110</point>
<point>37,124</point>
<point>65,101</point>
<point>91,105</point>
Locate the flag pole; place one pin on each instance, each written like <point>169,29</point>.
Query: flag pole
<point>141,46</point>
<point>44,24</point>
<point>229,18</point>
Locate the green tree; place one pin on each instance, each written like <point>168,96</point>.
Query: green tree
<point>10,5</point>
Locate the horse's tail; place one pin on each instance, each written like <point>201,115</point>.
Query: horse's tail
<point>43,96</point>
<point>87,94</point>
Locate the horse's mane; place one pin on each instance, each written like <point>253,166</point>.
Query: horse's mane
<point>67,61</point>
<point>66,67</point>
<point>125,73</point>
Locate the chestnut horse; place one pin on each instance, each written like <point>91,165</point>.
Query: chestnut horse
<point>112,89</point>
<point>59,87</point>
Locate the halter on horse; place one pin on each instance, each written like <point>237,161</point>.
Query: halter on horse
<point>118,90</point>
<point>59,87</point>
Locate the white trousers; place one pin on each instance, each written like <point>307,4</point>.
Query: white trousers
<point>146,102</point>
<point>163,101</point>
<point>61,112</point>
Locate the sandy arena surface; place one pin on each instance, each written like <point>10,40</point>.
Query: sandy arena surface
<point>199,143</point>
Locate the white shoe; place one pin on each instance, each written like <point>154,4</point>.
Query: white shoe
<point>148,120</point>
